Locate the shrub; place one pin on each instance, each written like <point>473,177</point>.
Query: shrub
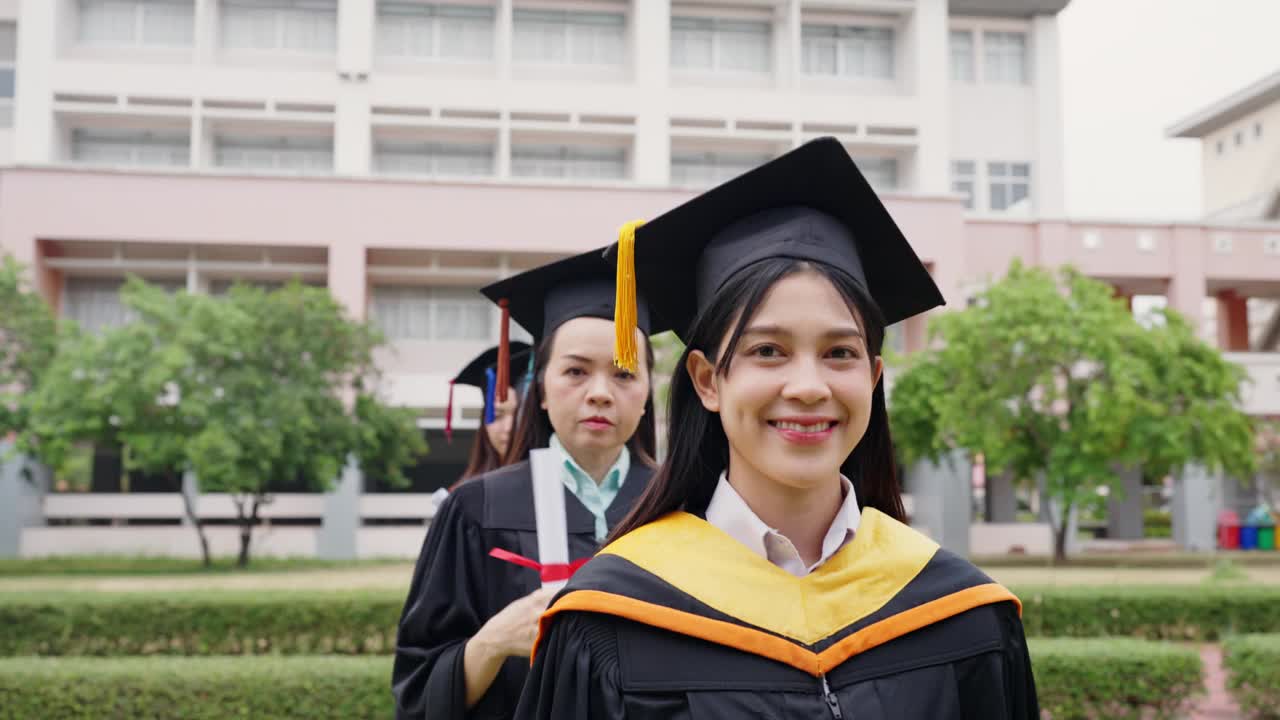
<point>1163,612</point>
<point>195,688</point>
<point>1114,677</point>
<point>1253,663</point>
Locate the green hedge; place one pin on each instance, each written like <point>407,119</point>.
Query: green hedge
<point>364,622</point>
<point>109,565</point>
<point>1136,560</point>
<point>1163,612</point>
<point>1114,677</point>
<point>1075,678</point>
<point>1253,662</point>
<point>195,688</point>
<point>204,623</point>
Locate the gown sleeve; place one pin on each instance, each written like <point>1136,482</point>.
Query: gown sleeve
<point>443,610</point>
<point>1000,685</point>
<point>575,672</point>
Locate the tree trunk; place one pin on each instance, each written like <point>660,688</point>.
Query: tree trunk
<point>1060,528</point>
<point>246,529</point>
<point>199,526</point>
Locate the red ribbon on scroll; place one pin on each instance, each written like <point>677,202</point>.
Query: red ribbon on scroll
<point>550,573</point>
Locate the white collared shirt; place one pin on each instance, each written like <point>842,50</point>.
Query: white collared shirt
<point>729,512</point>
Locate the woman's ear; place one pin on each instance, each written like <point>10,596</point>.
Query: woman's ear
<point>703,374</point>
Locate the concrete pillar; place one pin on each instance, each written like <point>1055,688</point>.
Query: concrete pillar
<point>348,275</point>
<point>651,156</point>
<point>341,522</point>
<point>1124,507</point>
<point>943,493</point>
<point>34,134</point>
<point>1048,190</point>
<point>23,484</point>
<point>1196,502</point>
<point>928,68</point>
<point>1002,500</point>
<point>1233,321</point>
<point>505,38</point>
<point>1187,284</point>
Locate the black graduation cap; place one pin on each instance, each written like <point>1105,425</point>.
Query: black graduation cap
<point>546,297</point>
<point>811,203</point>
<point>478,374</point>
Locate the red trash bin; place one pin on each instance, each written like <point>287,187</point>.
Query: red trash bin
<point>1228,530</point>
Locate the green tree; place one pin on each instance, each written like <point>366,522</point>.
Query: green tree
<point>1052,378</point>
<point>251,392</point>
<point>28,340</point>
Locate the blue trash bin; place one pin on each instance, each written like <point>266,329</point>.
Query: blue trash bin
<point>1249,537</point>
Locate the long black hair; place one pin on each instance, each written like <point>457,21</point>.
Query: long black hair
<point>533,426</point>
<point>697,448</point>
<point>484,455</point>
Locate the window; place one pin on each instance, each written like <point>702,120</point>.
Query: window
<point>964,180</point>
<point>1010,184</point>
<point>1239,138</point>
<point>848,51</point>
<point>1221,147</point>
<point>95,304</point>
<point>881,172</point>
<point>721,45</point>
<point>123,23</point>
<point>130,148</point>
<point>282,154</point>
<point>423,313</point>
<point>704,169</point>
<point>1257,130</point>
<point>1006,57</point>
<point>400,157</point>
<point>8,54</point>
<point>569,38</point>
<point>436,32</point>
<point>305,26</point>
<point>962,70</point>
<point>569,161</point>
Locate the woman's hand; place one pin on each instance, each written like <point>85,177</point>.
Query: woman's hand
<point>510,633</point>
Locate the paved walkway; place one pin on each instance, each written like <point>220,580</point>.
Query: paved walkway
<point>1217,705</point>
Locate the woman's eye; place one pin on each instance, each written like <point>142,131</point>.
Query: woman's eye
<point>766,351</point>
<point>625,375</point>
<point>844,353</point>
<point>575,372</point>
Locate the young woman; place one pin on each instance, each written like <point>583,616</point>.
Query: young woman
<point>470,618</point>
<point>767,572</point>
<point>494,438</point>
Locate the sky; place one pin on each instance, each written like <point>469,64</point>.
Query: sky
<point>1132,68</point>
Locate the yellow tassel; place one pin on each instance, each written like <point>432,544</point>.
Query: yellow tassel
<point>626,354</point>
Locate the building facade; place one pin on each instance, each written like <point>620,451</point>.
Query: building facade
<point>403,153</point>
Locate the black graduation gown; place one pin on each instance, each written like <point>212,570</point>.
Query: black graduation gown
<point>679,621</point>
<point>457,587</point>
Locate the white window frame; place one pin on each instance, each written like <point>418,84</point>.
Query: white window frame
<point>568,151</point>
<point>1009,179</point>
<point>965,172</point>
<point>953,53</point>
<point>436,152</point>
<point>724,164</point>
<point>567,59</point>
<point>854,21</point>
<point>173,140</point>
<point>297,144</point>
<point>138,37</point>
<point>720,26</point>
<point>980,27</point>
<point>434,297</point>
<point>10,65</point>
<point>280,47</point>
<point>1025,79</point>
<point>437,14</point>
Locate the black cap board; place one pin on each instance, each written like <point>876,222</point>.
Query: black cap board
<point>546,297</point>
<point>474,372</point>
<point>811,204</point>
